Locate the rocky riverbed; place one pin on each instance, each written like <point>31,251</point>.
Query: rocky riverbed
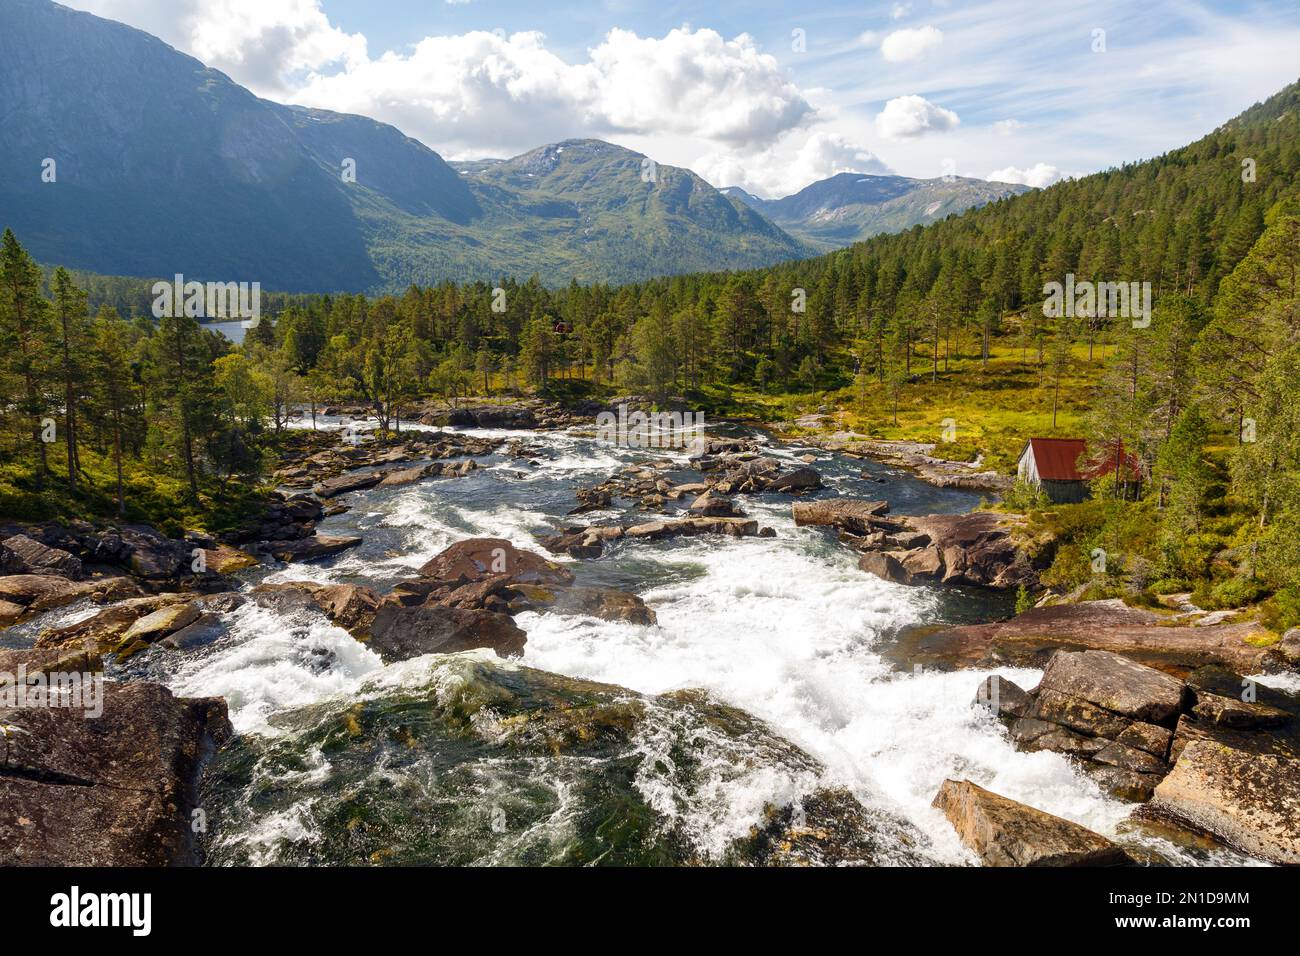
<point>485,642</point>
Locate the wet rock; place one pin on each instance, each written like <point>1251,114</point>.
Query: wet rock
<point>592,499</point>
<point>795,480</point>
<point>104,630</point>
<point>1003,698</point>
<point>20,554</point>
<point>207,628</point>
<point>342,484</point>
<point>1248,801</point>
<point>308,549</point>
<point>885,566</point>
<point>116,789</point>
<point>156,625</point>
<point>608,604</point>
<point>713,506</point>
<point>975,549</point>
<point>848,514</point>
<point>31,593</point>
<point>1003,832</point>
<point>399,632</point>
<point>350,606</point>
<point>475,558</point>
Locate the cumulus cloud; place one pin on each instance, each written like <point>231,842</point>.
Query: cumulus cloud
<point>910,43</point>
<point>1039,175</point>
<point>486,92</point>
<point>1007,126</point>
<point>905,117</point>
<point>263,44</point>
<point>789,166</point>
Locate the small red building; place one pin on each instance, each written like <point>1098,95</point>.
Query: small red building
<point>1061,467</point>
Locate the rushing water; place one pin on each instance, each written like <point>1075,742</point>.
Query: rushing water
<point>469,759</point>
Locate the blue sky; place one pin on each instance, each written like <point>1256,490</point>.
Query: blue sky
<point>767,95</point>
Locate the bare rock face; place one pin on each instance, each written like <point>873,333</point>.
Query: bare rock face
<point>20,554</point>
<point>1003,832</point>
<point>398,633</point>
<point>608,604</point>
<point>476,558</point>
<point>1249,801</point>
<point>116,789</point>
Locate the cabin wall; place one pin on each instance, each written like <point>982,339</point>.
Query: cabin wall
<point>1065,492</point>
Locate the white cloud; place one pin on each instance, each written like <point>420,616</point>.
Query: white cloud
<point>868,38</point>
<point>900,10</point>
<point>261,43</point>
<point>1039,175</point>
<point>1007,126</point>
<point>910,43</point>
<point>486,92</point>
<point>789,166</point>
<point>905,117</point>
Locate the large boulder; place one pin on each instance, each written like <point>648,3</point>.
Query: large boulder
<point>795,481</point>
<point>20,554</point>
<point>1003,832</point>
<point>476,558</point>
<point>608,604</point>
<point>1119,685</point>
<point>117,789</point>
<point>1249,801</point>
<point>853,515</point>
<point>398,632</point>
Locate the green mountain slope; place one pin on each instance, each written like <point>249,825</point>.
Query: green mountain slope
<point>166,166</point>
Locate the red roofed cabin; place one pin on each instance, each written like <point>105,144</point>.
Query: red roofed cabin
<point>1053,465</point>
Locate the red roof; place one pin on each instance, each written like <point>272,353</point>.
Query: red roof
<point>1057,459</point>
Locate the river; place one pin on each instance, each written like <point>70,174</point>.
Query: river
<point>450,760</point>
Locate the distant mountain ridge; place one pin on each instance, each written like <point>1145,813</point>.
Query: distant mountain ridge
<point>165,166</point>
<point>849,207</point>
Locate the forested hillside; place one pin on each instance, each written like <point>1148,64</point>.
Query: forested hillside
<point>1205,394</point>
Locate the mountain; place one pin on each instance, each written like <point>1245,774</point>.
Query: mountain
<point>849,207</point>
<point>163,165</point>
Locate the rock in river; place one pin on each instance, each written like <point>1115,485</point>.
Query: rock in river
<point>400,632</point>
<point>1249,801</point>
<point>116,789</point>
<point>1003,832</point>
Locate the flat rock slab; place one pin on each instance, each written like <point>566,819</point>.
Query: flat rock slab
<point>848,514</point>
<point>1029,639</point>
<point>1249,801</point>
<point>1003,832</point>
<point>113,790</point>
<point>477,558</point>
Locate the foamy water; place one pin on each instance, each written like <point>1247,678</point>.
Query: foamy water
<point>786,628</point>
